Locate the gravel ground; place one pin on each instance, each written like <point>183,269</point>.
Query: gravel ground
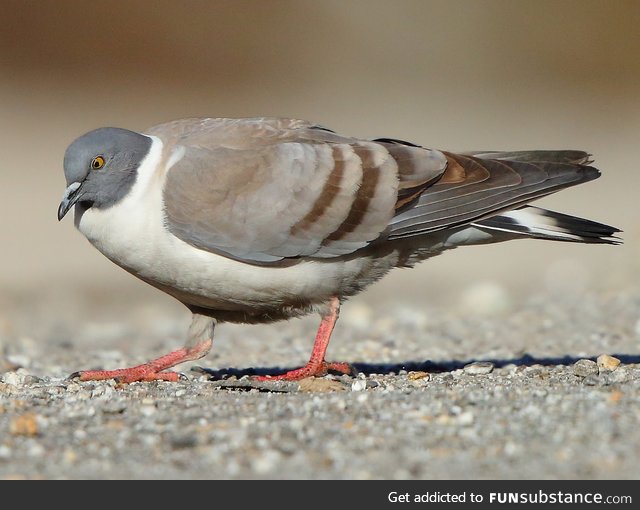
<point>508,392</point>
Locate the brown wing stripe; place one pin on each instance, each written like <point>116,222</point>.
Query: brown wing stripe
<point>327,195</point>
<point>370,178</point>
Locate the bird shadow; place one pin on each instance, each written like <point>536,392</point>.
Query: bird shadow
<point>410,366</point>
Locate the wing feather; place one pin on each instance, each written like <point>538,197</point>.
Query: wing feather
<point>488,187</point>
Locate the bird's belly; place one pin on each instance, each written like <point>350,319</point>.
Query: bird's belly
<point>140,244</point>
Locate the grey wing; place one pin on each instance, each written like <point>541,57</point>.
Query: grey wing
<point>481,185</point>
<point>266,189</point>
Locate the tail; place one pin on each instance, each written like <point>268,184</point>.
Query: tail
<point>539,223</point>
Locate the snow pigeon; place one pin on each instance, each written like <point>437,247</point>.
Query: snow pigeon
<point>264,219</point>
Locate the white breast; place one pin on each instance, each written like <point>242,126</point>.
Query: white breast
<point>132,234</point>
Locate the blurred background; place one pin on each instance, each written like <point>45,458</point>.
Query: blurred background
<point>456,75</point>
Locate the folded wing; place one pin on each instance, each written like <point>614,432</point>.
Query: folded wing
<point>267,189</point>
<point>262,190</point>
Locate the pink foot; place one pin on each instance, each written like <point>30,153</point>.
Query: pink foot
<point>153,371</point>
<point>309,370</point>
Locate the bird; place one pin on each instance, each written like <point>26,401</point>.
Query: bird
<point>257,220</point>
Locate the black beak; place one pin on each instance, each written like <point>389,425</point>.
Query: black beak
<point>71,196</point>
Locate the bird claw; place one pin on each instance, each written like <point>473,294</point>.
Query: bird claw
<point>127,376</point>
<point>310,370</point>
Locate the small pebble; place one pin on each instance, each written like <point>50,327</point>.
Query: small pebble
<point>147,411</point>
<point>414,376</point>
<point>465,418</point>
<point>5,452</point>
<point>536,370</point>
<point>615,396</point>
<point>12,378</point>
<point>618,376</point>
<point>585,367</point>
<point>73,387</point>
<point>479,368</point>
<point>360,384</point>
<point>607,363</point>
<point>36,450</point>
<point>511,449</point>
<point>69,456</point>
<point>266,461</point>
<point>592,380</point>
<point>25,425</point>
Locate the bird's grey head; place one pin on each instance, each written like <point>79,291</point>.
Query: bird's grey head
<point>101,167</point>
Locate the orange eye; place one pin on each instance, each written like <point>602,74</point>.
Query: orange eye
<point>97,163</point>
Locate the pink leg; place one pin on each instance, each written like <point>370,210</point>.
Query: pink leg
<point>151,371</point>
<point>317,366</point>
